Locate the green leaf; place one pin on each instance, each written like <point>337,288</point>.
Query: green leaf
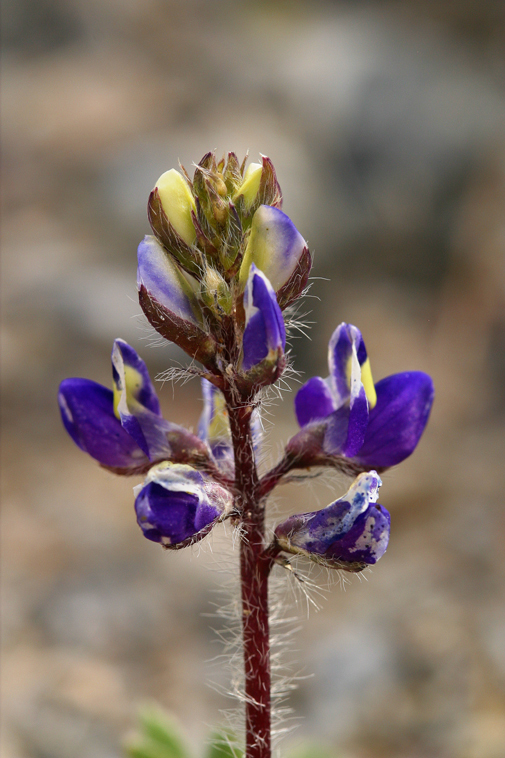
<point>223,744</point>
<point>159,736</point>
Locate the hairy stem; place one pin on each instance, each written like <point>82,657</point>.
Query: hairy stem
<point>255,567</point>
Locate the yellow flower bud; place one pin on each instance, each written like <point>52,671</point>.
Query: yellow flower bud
<point>177,202</point>
<point>251,184</point>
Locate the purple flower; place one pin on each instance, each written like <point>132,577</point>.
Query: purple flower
<point>265,334</point>
<point>374,425</point>
<point>177,505</point>
<point>214,427</point>
<point>167,297</point>
<point>350,533</point>
<point>278,249</point>
<point>123,429</point>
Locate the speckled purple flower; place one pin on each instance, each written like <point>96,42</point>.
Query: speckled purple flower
<point>350,533</point>
<point>347,415</point>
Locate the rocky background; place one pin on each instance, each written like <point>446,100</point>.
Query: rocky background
<point>385,121</point>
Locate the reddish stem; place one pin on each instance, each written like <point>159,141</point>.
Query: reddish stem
<point>255,567</point>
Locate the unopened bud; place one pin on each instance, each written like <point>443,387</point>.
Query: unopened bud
<point>264,338</point>
<point>251,184</point>
<point>259,187</point>
<point>167,297</point>
<point>215,292</point>
<point>278,249</point>
<point>177,203</point>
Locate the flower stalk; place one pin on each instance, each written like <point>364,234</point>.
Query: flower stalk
<point>255,567</point>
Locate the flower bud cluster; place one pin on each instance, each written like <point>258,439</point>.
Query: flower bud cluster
<point>218,239</point>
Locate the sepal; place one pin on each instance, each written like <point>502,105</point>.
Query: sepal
<point>178,506</point>
<point>350,533</point>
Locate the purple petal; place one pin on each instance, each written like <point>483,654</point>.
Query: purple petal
<point>352,530</point>
<point>398,420</point>
<point>313,401</point>
<point>213,426</point>
<point>346,427</point>
<point>338,517</point>
<point>164,281</point>
<point>87,411</point>
<point>345,340</point>
<point>358,422</point>
<point>366,541</point>
<point>336,431</point>
<point>275,246</point>
<point>265,332</point>
<point>177,505</point>
<point>132,386</point>
<point>169,517</point>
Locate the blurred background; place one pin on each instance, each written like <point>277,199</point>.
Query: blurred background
<point>385,121</point>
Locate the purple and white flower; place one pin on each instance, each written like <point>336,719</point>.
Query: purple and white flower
<point>178,505</point>
<point>278,249</point>
<point>349,534</point>
<point>167,297</point>
<point>123,429</point>
<point>374,425</point>
<point>214,427</point>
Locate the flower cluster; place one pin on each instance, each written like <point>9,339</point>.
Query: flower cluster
<point>222,265</point>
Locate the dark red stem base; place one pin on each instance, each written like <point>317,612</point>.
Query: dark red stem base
<point>255,565</point>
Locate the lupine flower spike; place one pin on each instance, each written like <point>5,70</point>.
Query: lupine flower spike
<point>223,263</point>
